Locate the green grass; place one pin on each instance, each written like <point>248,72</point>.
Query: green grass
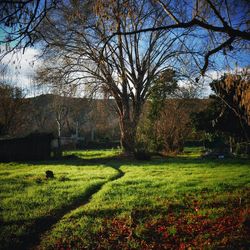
<point>27,197</point>
<point>93,154</point>
<point>131,210</point>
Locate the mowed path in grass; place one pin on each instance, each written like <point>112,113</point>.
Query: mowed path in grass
<point>30,203</point>
<point>172,203</point>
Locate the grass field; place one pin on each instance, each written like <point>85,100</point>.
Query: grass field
<point>98,201</point>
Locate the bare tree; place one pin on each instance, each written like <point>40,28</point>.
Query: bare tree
<point>40,116</point>
<point>19,20</point>
<point>125,68</point>
<point>11,103</point>
<point>218,25</point>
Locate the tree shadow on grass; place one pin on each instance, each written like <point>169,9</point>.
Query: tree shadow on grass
<point>37,227</point>
<point>43,224</point>
<point>119,160</point>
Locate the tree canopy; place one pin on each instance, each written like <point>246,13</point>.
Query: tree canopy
<point>125,68</point>
<point>218,26</point>
<point>228,112</point>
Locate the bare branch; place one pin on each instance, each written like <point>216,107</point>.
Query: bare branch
<point>211,52</point>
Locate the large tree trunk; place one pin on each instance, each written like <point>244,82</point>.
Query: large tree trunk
<point>129,120</point>
<point>128,135</point>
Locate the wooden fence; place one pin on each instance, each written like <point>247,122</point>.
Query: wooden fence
<point>32,147</point>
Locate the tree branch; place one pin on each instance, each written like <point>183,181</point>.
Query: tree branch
<point>215,50</point>
<point>194,22</point>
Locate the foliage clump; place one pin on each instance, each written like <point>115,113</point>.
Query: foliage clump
<point>166,122</point>
<point>11,108</point>
<point>227,117</point>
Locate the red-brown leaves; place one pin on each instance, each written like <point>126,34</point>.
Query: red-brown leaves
<point>184,229</point>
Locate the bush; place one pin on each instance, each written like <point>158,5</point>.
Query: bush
<point>242,149</point>
<point>216,143</point>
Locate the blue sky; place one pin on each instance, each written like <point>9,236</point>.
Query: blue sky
<point>22,66</point>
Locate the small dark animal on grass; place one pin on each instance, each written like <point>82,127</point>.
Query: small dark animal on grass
<point>49,174</point>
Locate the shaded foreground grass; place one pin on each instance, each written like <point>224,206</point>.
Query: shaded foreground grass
<point>172,203</point>
<point>30,203</point>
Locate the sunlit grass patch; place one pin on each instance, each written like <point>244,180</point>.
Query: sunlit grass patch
<point>94,154</point>
<point>28,197</point>
<point>142,204</point>
<point>192,152</point>
<point>125,212</point>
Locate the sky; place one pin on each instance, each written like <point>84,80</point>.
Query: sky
<point>21,67</point>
